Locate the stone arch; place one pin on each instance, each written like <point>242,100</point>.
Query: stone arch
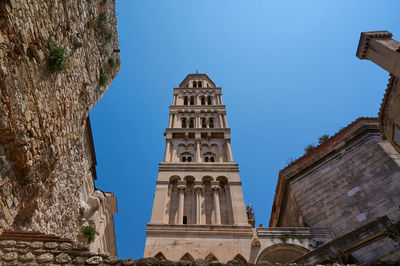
<point>282,253</point>
<point>189,179</point>
<point>187,257</point>
<point>240,259</point>
<point>174,179</point>
<point>211,258</point>
<point>207,179</point>
<point>223,180</point>
<point>160,256</point>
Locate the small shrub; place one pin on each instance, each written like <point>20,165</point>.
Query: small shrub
<point>104,2</point>
<point>103,16</point>
<point>309,148</point>
<point>114,62</point>
<point>89,232</point>
<point>323,138</point>
<point>284,237</point>
<point>103,78</point>
<point>57,60</point>
<point>108,34</point>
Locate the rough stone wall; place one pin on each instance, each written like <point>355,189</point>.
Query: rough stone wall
<point>53,253</point>
<point>359,184</point>
<point>291,215</point>
<point>389,113</point>
<point>42,115</point>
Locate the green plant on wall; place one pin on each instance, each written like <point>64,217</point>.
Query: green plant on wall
<point>113,62</point>
<point>89,232</point>
<point>103,17</point>
<point>103,78</point>
<point>57,59</point>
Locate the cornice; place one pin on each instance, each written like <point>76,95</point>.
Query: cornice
<point>293,231</point>
<point>197,107</point>
<point>197,90</point>
<point>230,183</point>
<point>199,230</point>
<point>365,39</point>
<point>199,130</point>
<point>199,167</point>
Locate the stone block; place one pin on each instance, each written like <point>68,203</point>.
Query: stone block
<point>63,258</point>
<point>27,257</point>
<point>45,257</point>
<point>10,256</point>
<point>95,260</point>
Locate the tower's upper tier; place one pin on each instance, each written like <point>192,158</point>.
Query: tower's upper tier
<point>197,81</point>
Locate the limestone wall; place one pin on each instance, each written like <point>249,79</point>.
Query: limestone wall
<point>45,173</point>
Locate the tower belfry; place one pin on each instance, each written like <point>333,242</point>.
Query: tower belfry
<point>198,209</point>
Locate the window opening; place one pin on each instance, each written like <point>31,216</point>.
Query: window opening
<point>189,159</point>
<point>183,158</point>
<point>206,159</point>
<point>194,84</point>
<point>185,100</point>
<point>184,219</point>
<point>203,100</point>
<point>200,84</point>
<point>203,123</point>
<point>211,122</point>
<point>212,159</point>
<point>184,122</point>
<point>209,100</point>
<point>191,101</point>
<point>191,123</point>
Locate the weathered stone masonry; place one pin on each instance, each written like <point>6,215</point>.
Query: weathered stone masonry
<point>45,170</point>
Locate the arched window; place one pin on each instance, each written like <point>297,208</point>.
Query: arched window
<point>183,159</point>
<point>185,100</point>
<point>209,157</point>
<point>184,122</point>
<point>191,100</point>
<point>211,120</point>
<point>191,123</point>
<point>194,84</point>
<point>206,159</point>
<point>186,157</point>
<point>203,100</point>
<point>209,100</point>
<point>203,123</point>
<point>200,84</point>
<point>212,159</point>
<point>184,220</point>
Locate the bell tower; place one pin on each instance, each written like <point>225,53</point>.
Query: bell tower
<point>198,209</point>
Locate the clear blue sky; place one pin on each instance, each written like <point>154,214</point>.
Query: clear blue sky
<point>288,74</point>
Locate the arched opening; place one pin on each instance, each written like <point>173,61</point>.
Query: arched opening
<point>209,100</point>
<point>187,257</point>
<point>203,100</point>
<point>185,220</point>
<point>186,157</point>
<point>183,122</point>
<point>191,122</point>
<point>194,84</point>
<point>282,253</point>
<point>211,122</point>
<point>160,256</point>
<point>191,100</point>
<point>200,84</point>
<point>185,100</point>
<point>203,123</point>
<point>211,258</point>
<point>240,259</point>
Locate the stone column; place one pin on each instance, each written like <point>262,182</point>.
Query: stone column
<point>221,123</point>
<point>181,191</point>
<point>198,100</point>
<point>225,121</point>
<point>215,189</point>
<point>198,154</point>
<point>229,150</point>
<point>228,204</point>
<point>167,151</point>
<point>170,121</point>
<point>198,190</point>
<point>220,99</point>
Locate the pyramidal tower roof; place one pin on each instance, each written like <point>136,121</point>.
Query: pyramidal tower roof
<point>188,81</point>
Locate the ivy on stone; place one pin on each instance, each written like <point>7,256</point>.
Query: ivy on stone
<point>89,232</point>
<point>57,59</point>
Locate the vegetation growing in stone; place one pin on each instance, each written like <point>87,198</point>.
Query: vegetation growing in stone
<point>285,236</point>
<point>89,232</point>
<point>57,60</point>
<point>114,62</point>
<point>323,138</point>
<point>104,78</point>
<point>309,148</point>
<point>103,17</point>
<point>108,34</point>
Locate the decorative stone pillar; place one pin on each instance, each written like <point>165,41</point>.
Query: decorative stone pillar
<point>225,121</point>
<point>170,121</point>
<point>198,154</point>
<point>167,151</point>
<point>168,204</point>
<point>221,123</point>
<point>229,150</point>
<point>215,189</point>
<point>198,191</point>
<point>198,100</point>
<point>228,204</point>
<point>181,191</point>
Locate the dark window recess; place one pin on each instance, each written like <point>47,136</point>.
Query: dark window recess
<point>209,100</point>
<point>184,219</point>
<point>203,100</point>
<point>183,158</point>
<point>191,101</point>
<point>203,123</point>
<point>212,159</point>
<point>200,84</point>
<point>185,100</point>
<point>194,84</point>
<point>211,122</point>
<point>189,159</point>
<point>206,159</point>
<point>191,123</point>
<point>183,122</point>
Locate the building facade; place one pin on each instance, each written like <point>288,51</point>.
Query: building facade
<point>199,211</point>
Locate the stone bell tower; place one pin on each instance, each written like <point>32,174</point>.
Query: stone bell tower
<point>198,209</point>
